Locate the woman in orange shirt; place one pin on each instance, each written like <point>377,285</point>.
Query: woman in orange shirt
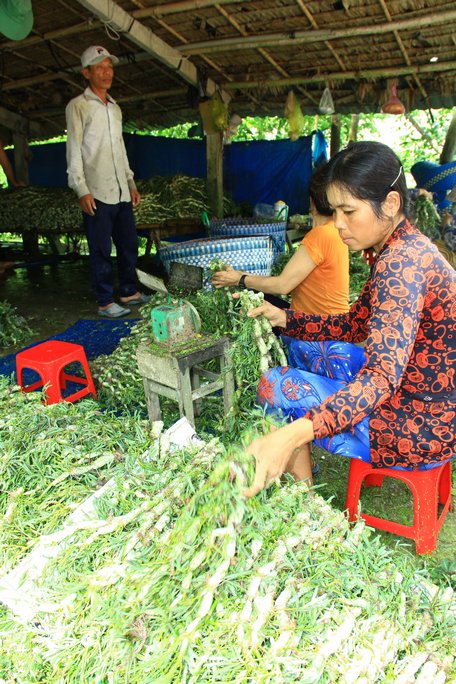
<point>317,275</point>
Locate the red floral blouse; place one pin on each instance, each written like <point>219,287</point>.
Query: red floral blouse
<point>406,315</point>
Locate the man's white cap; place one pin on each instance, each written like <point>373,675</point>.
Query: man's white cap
<point>96,54</point>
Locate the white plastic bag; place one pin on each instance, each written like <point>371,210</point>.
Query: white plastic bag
<point>326,105</point>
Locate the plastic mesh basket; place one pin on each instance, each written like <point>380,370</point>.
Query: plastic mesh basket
<point>254,254</point>
<point>237,227</point>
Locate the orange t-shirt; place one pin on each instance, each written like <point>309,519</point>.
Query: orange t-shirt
<point>326,289</point>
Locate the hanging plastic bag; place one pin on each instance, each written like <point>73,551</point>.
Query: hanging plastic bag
<point>294,115</point>
<point>326,105</point>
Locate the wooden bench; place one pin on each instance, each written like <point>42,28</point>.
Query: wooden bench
<point>154,232</point>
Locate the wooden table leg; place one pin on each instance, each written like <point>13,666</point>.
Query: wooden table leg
<point>152,402</point>
<point>185,397</point>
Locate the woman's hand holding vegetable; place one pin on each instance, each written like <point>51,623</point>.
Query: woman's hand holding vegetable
<point>276,317</point>
<point>229,277</point>
<point>273,452</point>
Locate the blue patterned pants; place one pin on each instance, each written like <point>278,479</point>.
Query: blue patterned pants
<point>317,370</point>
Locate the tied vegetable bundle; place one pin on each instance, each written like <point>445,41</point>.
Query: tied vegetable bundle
<point>176,578</point>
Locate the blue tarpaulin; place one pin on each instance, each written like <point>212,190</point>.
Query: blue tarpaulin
<point>262,171</point>
<point>266,171</point>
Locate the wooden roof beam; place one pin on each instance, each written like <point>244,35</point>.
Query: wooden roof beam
<point>320,35</point>
<point>110,13</point>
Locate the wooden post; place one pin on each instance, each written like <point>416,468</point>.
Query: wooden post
<point>335,134</point>
<point>214,171</point>
<point>20,157</point>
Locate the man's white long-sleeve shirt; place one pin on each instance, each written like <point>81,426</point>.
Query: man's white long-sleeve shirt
<point>96,156</point>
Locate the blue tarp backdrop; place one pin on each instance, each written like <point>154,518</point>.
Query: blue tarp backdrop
<point>259,171</point>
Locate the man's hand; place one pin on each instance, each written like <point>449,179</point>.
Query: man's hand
<point>226,278</point>
<point>135,197</point>
<point>88,205</point>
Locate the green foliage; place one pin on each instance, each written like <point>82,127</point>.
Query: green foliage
<point>359,272</point>
<point>426,217</point>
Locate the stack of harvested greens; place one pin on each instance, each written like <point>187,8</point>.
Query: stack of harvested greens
<point>167,574</point>
<point>57,209</point>
<point>14,330</point>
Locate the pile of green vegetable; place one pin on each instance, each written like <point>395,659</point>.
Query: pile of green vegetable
<point>140,563</point>
<point>57,209</point>
<point>14,330</point>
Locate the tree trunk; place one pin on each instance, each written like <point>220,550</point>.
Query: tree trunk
<point>353,132</point>
<point>449,146</point>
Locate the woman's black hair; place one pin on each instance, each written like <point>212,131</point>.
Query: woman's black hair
<point>317,190</point>
<point>369,171</point>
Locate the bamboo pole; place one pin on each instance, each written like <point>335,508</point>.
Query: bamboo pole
<point>161,10</point>
<point>317,36</point>
<point>367,74</point>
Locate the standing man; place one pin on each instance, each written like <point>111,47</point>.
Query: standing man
<point>99,173</point>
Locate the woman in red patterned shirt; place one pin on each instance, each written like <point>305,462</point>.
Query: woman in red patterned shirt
<point>400,409</point>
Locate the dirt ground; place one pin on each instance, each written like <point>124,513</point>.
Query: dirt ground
<point>51,295</point>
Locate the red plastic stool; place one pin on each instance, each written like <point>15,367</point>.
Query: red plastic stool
<point>429,488</point>
<point>49,360</point>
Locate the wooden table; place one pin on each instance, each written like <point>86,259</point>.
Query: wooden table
<point>176,373</point>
